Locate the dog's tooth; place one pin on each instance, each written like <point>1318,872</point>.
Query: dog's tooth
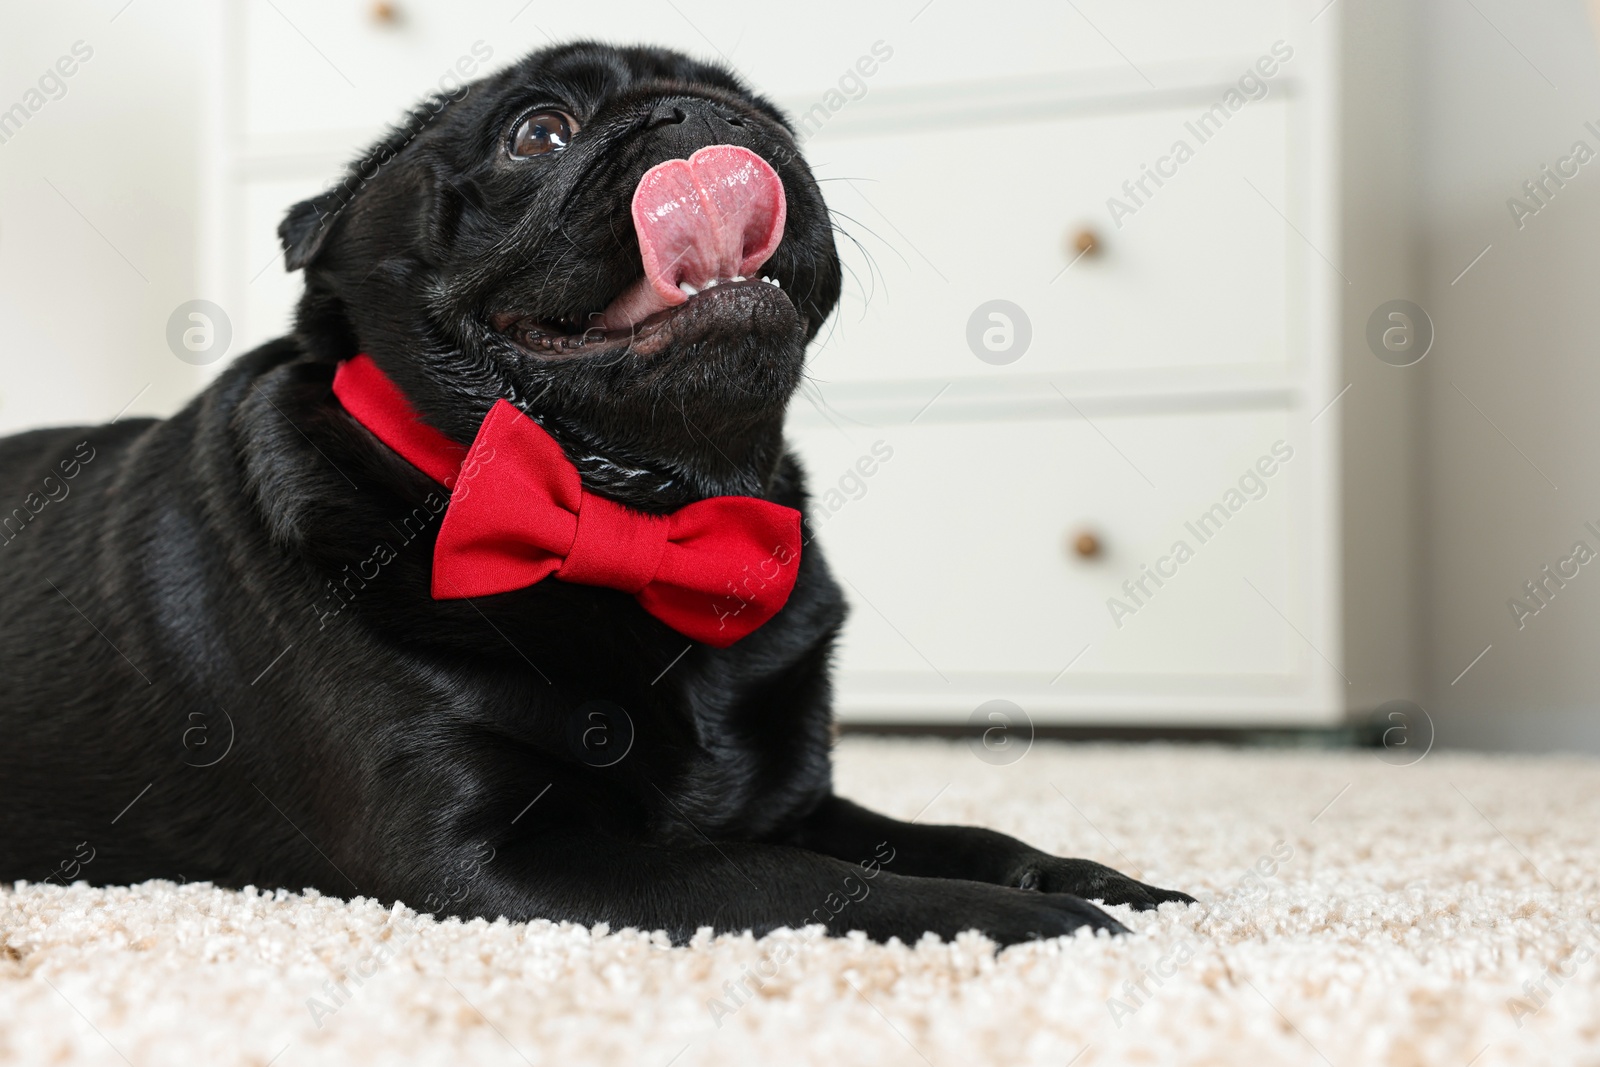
<point>738,278</point>
<point>688,290</point>
<point>711,284</point>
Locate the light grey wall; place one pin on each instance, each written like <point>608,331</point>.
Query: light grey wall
<point>1379,525</point>
<point>1510,465</point>
<point>97,207</point>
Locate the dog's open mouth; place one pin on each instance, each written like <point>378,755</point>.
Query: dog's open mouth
<point>706,225</point>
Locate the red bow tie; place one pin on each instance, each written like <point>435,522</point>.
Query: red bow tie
<point>714,570</point>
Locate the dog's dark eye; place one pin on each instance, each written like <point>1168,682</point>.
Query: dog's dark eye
<point>542,132</point>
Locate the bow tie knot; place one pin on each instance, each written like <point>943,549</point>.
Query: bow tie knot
<point>614,546</point>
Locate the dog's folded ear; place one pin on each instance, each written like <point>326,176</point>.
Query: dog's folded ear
<point>304,230</point>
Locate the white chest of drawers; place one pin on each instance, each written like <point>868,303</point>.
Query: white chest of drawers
<point>1184,502</point>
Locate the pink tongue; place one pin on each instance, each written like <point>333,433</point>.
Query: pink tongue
<point>716,215</point>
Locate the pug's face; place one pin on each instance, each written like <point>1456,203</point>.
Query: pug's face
<point>623,242</point>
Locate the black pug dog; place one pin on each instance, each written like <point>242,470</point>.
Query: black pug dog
<point>255,644</point>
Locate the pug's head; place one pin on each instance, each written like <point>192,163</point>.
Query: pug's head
<point>624,242</point>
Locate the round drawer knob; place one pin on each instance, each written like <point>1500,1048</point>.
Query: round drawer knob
<point>385,13</point>
<point>1084,242</point>
<point>1087,545</point>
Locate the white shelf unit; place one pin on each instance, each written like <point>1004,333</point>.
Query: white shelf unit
<point>1224,315</point>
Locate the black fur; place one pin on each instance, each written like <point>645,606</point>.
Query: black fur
<point>220,657</point>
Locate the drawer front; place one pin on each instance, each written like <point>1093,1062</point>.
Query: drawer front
<point>957,546</point>
<point>332,65</point>
<point>1200,275</point>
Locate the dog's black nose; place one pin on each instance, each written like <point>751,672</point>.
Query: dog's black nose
<point>665,113</point>
<point>675,111</point>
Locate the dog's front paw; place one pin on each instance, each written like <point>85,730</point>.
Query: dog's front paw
<point>1091,881</point>
<point>1012,920</point>
<point>908,907</point>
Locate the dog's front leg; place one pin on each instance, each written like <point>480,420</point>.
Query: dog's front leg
<point>841,828</point>
<point>728,886</point>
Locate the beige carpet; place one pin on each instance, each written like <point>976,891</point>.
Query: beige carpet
<point>1441,913</point>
